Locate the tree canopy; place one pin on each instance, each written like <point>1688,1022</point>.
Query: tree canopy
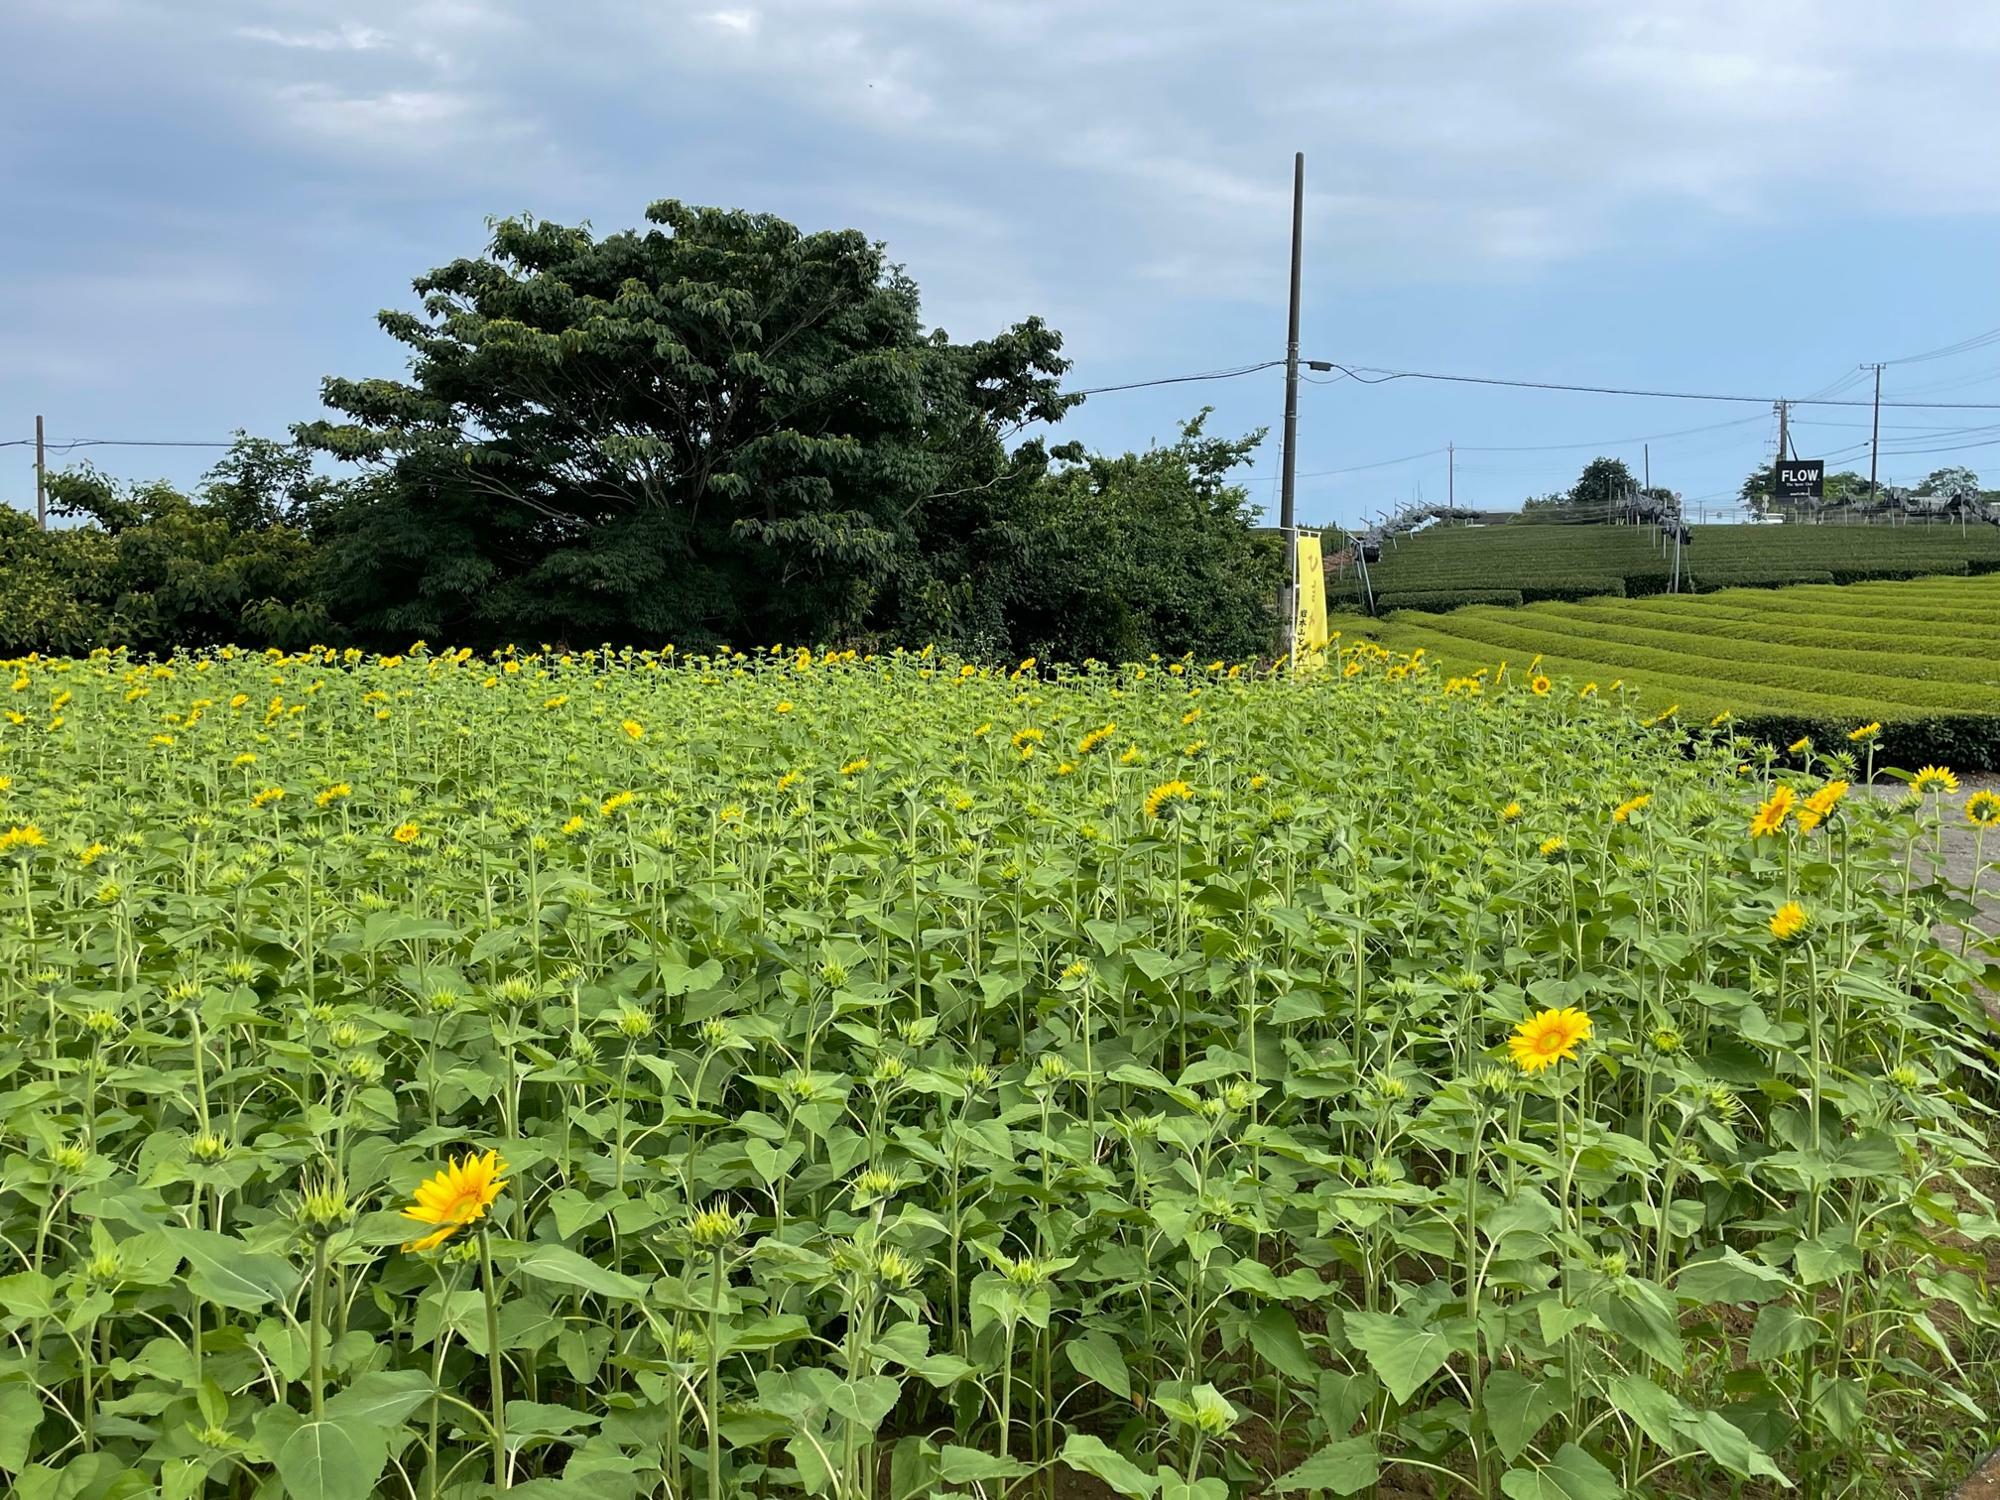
<point>718,428</point>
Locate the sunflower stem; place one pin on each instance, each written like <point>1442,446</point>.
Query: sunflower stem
<point>496,1365</point>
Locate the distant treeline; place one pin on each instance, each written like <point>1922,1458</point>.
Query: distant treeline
<point>716,429</point>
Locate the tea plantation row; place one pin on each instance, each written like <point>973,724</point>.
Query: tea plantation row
<point>1458,566</point>
<point>1923,657</point>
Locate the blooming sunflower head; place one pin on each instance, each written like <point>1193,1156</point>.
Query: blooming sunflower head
<point>1771,813</point>
<point>1622,813</point>
<point>458,1195</point>
<point>1817,808</point>
<point>1554,846</point>
<point>1932,779</point>
<point>1788,921</point>
<point>1166,797</point>
<point>1865,732</point>
<point>1511,813</point>
<point>1982,809</point>
<point>1547,1038</point>
<point>405,833</point>
<point>1800,745</point>
<point>634,730</point>
<point>1538,685</point>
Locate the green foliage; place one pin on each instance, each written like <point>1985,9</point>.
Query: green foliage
<point>1439,599</point>
<point>1561,562</point>
<point>153,568</point>
<point>718,428</point>
<point>1783,659</point>
<point>1147,552</point>
<point>1604,483</point>
<point>896,1099</point>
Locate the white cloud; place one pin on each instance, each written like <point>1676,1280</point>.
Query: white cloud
<point>347,37</point>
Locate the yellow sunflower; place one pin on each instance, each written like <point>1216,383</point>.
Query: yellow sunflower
<point>457,1196</point>
<point>1539,685</point>
<point>1788,921</point>
<point>1166,795</point>
<point>1982,809</point>
<point>1547,1038</point>
<point>1771,814</point>
<point>1622,813</point>
<point>1817,808</point>
<point>1932,779</point>
<point>1865,732</point>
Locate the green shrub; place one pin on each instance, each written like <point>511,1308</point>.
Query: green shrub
<point>1874,572</point>
<point>1561,591</point>
<point>1776,578</point>
<point>1445,599</point>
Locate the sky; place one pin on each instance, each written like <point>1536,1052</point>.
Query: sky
<point>207,201</point>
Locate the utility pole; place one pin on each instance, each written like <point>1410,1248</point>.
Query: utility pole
<point>1784,439</point>
<point>1875,432</point>
<point>1287,495</point>
<point>1451,476</point>
<point>41,478</point>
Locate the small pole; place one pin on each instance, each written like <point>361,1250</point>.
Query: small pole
<point>1451,476</point>
<point>41,477</point>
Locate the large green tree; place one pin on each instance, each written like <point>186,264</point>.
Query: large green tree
<point>1604,482</point>
<point>717,428</point>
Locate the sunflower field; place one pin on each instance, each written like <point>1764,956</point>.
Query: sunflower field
<point>620,1074</point>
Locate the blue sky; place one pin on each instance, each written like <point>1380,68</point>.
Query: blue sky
<point>208,200</point>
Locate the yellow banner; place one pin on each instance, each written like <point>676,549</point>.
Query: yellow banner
<point>1309,633</point>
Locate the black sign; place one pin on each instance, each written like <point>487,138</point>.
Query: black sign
<point>1801,478</point>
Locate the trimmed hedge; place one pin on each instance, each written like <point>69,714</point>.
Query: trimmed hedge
<point>1569,591</point>
<point>1887,572</point>
<point>1710,582</point>
<point>1918,656</point>
<point>1440,600</point>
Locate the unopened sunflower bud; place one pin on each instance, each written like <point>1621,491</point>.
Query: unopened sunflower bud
<point>207,1149</point>
<point>516,989</point>
<point>323,1210</point>
<point>715,1227</point>
<point>895,1270</point>
<point>69,1159</point>
<point>875,1186</point>
<point>361,1069</point>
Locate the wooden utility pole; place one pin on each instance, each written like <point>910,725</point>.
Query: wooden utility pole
<point>41,477</point>
<point>1784,440</point>
<point>1451,475</point>
<point>1288,490</point>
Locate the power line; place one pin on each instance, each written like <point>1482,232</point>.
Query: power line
<point>1383,376</point>
<point>1963,346</point>
<point>1140,385</point>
